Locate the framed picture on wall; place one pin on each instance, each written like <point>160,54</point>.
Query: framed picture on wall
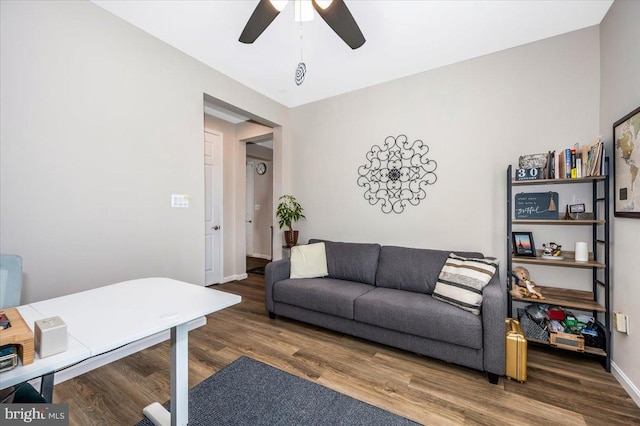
<point>626,152</point>
<point>523,244</point>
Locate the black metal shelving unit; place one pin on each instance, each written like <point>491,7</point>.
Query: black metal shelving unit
<point>599,262</point>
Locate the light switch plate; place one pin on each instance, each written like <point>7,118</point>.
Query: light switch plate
<point>621,322</point>
<point>179,201</point>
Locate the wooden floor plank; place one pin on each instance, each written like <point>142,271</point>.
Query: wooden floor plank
<point>562,388</point>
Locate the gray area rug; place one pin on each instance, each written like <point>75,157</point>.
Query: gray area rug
<point>248,392</point>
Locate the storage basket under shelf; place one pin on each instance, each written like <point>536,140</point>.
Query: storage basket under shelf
<point>532,329</point>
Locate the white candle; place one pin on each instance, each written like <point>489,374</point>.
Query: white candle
<point>582,251</point>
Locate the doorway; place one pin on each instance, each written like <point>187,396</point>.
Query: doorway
<point>243,130</point>
<point>259,203</point>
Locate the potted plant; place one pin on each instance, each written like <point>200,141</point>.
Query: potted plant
<point>288,212</point>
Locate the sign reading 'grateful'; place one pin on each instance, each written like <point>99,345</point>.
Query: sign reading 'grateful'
<point>537,205</point>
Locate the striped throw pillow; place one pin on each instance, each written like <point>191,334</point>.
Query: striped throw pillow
<point>462,279</point>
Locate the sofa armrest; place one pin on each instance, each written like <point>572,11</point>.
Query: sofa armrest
<point>274,272</point>
<point>494,312</point>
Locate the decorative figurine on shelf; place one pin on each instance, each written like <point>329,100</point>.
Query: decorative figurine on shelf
<point>552,251</point>
<point>522,286</point>
<point>567,216</point>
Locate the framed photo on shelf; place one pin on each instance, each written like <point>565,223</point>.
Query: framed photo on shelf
<point>523,244</point>
<point>626,152</point>
<point>577,208</point>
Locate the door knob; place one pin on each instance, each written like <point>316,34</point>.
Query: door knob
<point>215,228</point>
<point>249,221</point>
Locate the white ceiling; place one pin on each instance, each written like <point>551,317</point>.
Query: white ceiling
<point>403,38</point>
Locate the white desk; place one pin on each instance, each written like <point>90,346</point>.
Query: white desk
<point>109,317</point>
<point>76,352</point>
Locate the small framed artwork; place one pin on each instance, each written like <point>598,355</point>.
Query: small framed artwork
<point>626,182</point>
<point>523,244</point>
<point>576,208</point>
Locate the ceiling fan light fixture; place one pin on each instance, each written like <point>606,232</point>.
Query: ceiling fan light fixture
<point>303,10</point>
<point>279,4</point>
<point>324,3</point>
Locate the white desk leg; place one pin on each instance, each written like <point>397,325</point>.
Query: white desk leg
<point>180,375</point>
<point>179,383</point>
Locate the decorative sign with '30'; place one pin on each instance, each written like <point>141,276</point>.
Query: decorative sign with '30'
<point>530,173</point>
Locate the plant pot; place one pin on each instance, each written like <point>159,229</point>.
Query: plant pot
<point>291,238</point>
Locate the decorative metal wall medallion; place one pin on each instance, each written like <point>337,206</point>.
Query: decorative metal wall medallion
<point>397,173</point>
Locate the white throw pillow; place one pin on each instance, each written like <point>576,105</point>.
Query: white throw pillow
<point>462,280</point>
<point>308,261</point>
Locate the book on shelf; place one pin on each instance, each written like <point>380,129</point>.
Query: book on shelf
<point>561,166</point>
<point>595,151</point>
<point>579,166</point>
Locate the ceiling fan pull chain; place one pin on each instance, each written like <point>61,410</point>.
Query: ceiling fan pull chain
<point>301,69</point>
<point>301,44</point>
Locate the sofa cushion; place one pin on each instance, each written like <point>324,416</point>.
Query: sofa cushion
<point>420,315</point>
<point>411,269</point>
<point>461,281</point>
<point>326,295</point>
<point>308,261</point>
<point>351,261</point>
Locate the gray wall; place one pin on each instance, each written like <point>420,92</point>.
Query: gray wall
<point>101,123</point>
<point>620,94</point>
<point>477,117</point>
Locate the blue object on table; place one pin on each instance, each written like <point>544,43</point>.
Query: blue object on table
<point>10,280</point>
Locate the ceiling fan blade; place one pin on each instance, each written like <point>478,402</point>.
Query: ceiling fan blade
<point>339,18</point>
<point>262,16</point>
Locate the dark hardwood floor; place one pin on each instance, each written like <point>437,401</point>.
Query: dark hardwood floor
<point>561,388</point>
<point>255,262</point>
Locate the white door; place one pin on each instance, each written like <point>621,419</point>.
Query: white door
<point>250,208</point>
<point>213,207</point>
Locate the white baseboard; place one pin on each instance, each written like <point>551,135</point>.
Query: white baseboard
<point>106,358</point>
<point>626,383</point>
<point>260,256</point>
<point>234,278</point>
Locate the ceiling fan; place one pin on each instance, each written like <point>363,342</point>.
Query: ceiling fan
<point>334,12</point>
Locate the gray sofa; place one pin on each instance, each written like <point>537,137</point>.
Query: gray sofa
<point>383,294</point>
